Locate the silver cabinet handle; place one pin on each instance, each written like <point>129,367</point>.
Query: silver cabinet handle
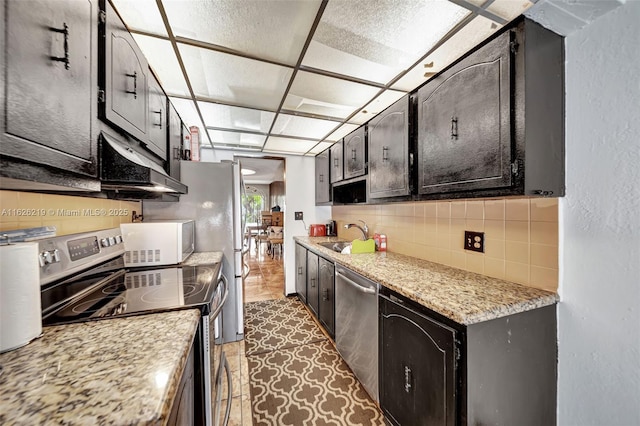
<point>407,379</point>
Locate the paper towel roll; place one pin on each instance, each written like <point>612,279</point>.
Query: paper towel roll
<point>20,307</point>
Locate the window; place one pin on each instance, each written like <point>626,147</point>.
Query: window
<point>253,203</point>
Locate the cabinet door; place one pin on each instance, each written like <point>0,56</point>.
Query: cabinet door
<point>323,186</point>
<point>337,170</point>
<point>326,304</point>
<point>125,82</point>
<point>175,142</point>
<point>301,272</point>
<point>312,282</point>
<point>389,151</point>
<point>354,154</point>
<point>157,119</point>
<point>48,82</point>
<point>464,123</point>
<point>418,367</point>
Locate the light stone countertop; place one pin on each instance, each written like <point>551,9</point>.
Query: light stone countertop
<point>203,258</point>
<point>464,297</point>
<point>115,371</point>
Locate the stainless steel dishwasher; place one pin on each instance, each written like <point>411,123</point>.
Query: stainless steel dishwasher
<point>356,327</point>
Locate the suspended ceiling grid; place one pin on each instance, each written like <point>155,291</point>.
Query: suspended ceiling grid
<point>296,76</point>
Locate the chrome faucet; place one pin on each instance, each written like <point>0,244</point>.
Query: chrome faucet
<point>364,229</point>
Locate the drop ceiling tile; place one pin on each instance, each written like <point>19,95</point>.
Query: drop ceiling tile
<point>252,120</point>
<point>141,15</point>
<point>305,127</point>
<point>320,147</point>
<point>274,30</point>
<point>375,107</point>
<point>162,60</point>
<point>288,145</point>
<point>469,36</point>
<point>341,132</point>
<point>235,138</point>
<point>187,111</point>
<point>509,9</point>
<point>328,96</point>
<point>233,79</point>
<point>379,40</point>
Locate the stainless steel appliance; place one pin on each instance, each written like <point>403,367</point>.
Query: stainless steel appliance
<point>157,243</point>
<point>214,202</point>
<point>83,278</point>
<point>357,326</point>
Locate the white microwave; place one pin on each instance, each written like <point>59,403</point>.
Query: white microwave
<point>152,243</point>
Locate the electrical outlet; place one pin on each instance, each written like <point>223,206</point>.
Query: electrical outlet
<point>298,215</point>
<point>474,241</point>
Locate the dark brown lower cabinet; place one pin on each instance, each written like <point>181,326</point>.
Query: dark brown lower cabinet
<point>419,371</point>
<point>434,371</point>
<point>301,273</point>
<point>326,299</point>
<point>182,412</point>
<point>312,282</point>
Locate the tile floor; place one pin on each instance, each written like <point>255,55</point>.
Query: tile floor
<point>265,282</point>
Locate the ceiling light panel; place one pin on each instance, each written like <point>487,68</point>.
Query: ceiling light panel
<point>469,36</point>
<point>236,138</point>
<point>187,111</point>
<point>233,79</point>
<point>275,30</point>
<point>162,59</point>
<point>229,117</point>
<point>378,40</point>
<point>305,127</point>
<point>288,145</point>
<point>341,132</point>
<point>375,107</point>
<point>141,15</point>
<point>320,147</point>
<point>328,96</point>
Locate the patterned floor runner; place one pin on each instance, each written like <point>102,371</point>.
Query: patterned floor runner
<point>278,324</point>
<point>301,381</point>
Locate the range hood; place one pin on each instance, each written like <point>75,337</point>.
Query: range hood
<point>125,170</point>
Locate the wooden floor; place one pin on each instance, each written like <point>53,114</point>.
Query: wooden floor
<point>265,282</point>
<point>266,279</point>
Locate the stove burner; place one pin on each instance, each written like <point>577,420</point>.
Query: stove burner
<point>86,306</point>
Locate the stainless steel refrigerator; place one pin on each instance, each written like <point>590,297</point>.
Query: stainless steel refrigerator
<point>214,201</point>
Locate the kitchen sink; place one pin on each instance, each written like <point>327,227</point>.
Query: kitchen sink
<point>336,245</point>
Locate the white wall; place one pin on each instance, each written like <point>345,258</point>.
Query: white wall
<point>599,313</point>
<point>299,196</point>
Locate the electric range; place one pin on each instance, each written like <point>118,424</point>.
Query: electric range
<point>83,278</point>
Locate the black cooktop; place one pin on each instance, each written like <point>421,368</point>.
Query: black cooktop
<point>112,291</point>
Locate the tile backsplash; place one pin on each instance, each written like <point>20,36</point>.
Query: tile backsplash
<point>69,214</point>
<point>521,234</point>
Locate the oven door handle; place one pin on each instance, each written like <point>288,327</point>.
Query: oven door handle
<point>227,412</point>
<point>225,294</point>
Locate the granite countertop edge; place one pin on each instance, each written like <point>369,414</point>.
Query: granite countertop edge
<point>462,296</point>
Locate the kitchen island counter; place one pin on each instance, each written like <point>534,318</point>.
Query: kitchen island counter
<point>115,371</point>
<point>462,296</point>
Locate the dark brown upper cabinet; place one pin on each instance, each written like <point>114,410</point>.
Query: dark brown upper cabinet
<point>492,123</point>
<point>157,118</point>
<point>47,85</point>
<point>337,169</point>
<point>124,76</point>
<point>389,153</point>
<point>174,137</point>
<point>323,185</point>
<point>464,125</point>
<point>354,154</point>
